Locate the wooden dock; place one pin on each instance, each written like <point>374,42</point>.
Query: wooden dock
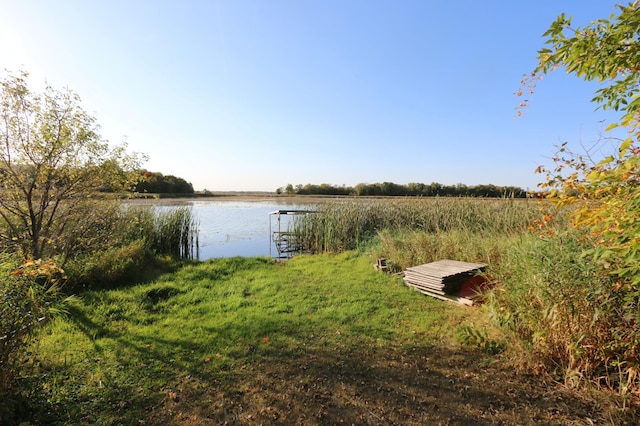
<point>444,279</point>
<point>287,243</point>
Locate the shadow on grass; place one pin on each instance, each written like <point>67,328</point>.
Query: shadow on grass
<point>367,386</point>
<point>298,378</point>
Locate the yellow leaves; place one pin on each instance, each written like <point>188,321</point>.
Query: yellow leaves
<point>628,166</point>
<point>624,147</point>
<point>595,176</point>
<point>45,270</point>
<point>542,227</point>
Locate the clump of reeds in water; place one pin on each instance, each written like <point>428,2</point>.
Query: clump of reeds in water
<point>175,233</point>
<point>343,225</point>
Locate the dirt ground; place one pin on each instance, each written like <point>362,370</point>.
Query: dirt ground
<point>383,386</point>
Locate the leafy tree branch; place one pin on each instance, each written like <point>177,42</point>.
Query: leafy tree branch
<point>52,159</point>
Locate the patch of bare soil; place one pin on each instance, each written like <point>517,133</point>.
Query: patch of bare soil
<point>378,386</point>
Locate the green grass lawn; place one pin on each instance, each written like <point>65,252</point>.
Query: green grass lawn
<point>315,340</point>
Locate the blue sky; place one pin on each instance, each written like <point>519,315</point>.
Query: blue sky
<point>255,94</point>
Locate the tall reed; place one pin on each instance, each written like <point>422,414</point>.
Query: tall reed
<point>344,225</point>
<point>169,231</point>
<point>405,248</point>
<point>175,233</point>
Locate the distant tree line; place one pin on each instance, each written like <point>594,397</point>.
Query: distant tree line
<point>157,183</point>
<point>411,189</point>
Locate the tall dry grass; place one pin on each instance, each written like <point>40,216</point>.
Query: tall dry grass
<point>345,225</point>
<point>406,248</point>
<point>562,311</point>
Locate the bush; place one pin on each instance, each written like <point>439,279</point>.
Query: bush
<point>143,241</point>
<point>110,268</point>
<point>29,295</point>
<point>575,298</point>
<point>563,309</point>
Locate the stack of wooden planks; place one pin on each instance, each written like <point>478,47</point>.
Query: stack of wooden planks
<point>444,279</point>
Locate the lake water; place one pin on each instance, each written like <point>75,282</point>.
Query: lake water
<point>231,227</point>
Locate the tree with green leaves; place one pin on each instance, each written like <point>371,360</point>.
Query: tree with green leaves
<point>52,161</point>
<point>606,191</point>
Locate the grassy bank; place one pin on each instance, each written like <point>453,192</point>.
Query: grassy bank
<point>121,248</point>
<point>325,339</point>
<point>316,340</point>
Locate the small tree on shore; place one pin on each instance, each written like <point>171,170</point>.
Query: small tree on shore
<point>52,161</point>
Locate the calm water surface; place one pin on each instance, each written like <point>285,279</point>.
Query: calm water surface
<point>236,228</point>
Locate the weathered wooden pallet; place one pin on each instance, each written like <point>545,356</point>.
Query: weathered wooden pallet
<point>446,268</point>
<point>448,297</point>
<point>449,288</point>
<point>443,279</point>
